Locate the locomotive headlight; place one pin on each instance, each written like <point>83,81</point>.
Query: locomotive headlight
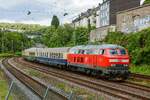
<point>113,65</point>
<point>125,60</point>
<point>113,60</point>
<point>126,65</point>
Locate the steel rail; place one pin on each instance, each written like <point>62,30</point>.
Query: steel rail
<point>90,84</point>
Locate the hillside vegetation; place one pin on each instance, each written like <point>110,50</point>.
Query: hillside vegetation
<point>19,26</point>
<point>13,42</point>
<point>64,36</point>
<point>138,44</point>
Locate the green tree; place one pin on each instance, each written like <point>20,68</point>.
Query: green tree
<point>55,21</point>
<point>13,42</point>
<point>146,1</point>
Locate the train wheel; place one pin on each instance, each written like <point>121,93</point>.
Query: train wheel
<point>88,71</point>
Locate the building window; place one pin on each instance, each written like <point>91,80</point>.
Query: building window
<point>104,14</point>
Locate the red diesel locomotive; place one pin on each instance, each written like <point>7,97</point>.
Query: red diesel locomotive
<point>107,60</point>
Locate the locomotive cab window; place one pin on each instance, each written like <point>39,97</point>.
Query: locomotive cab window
<point>113,51</point>
<point>123,52</point>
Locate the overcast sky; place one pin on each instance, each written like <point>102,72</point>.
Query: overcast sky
<point>15,11</point>
<point>42,10</point>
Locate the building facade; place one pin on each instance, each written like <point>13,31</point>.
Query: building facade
<point>88,17</point>
<point>104,14</point>
<point>107,16</point>
<point>134,20</point>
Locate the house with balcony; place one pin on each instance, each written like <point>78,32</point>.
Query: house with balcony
<point>106,17</point>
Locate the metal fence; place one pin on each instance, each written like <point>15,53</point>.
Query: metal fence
<point>51,93</point>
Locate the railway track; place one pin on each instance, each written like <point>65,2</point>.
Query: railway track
<point>35,86</point>
<point>140,76</point>
<point>97,85</point>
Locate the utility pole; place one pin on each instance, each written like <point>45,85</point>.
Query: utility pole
<point>12,45</point>
<point>2,42</point>
<point>74,36</point>
<point>22,48</point>
<point>89,30</point>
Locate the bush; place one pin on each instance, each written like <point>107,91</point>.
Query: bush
<point>138,44</point>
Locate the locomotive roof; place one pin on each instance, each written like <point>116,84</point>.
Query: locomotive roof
<point>103,46</point>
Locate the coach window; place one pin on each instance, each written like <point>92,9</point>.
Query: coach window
<point>53,55</point>
<point>56,55</point>
<point>49,54</point>
<point>62,55</point>
<point>59,55</point>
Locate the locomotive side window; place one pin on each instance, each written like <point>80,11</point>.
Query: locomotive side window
<point>81,51</point>
<point>113,52</point>
<point>89,51</point>
<point>96,51</point>
<point>123,51</point>
<point>102,51</point>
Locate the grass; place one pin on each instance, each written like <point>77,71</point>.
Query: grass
<point>10,54</point>
<point>63,86</point>
<point>143,69</point>
<point>6,55</point>
<point>3,87</point>
<point>33,72</point>
<point>79,91</point>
